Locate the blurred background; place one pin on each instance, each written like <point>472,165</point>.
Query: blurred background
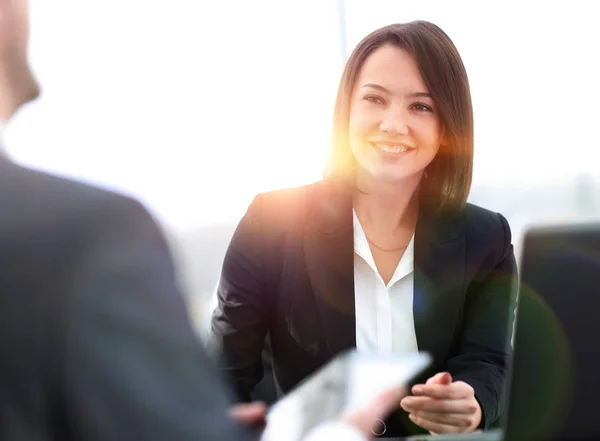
<point>194,107</point>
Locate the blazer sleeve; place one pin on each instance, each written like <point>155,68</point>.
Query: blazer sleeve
<point>133,366</point>
<point>485,339</point>
<point>241,319</point>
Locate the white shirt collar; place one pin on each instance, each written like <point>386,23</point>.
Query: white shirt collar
<point>361,247</point>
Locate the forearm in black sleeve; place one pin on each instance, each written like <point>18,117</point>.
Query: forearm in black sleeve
<point>240,321</point>
<point>485,347</point>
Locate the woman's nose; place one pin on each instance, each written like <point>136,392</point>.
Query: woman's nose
<point>395,123</point>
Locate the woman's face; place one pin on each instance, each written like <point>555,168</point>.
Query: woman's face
<point>394,128</point>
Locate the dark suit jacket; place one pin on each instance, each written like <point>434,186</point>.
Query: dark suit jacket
<point>95,340</point>
<point>289,270</point>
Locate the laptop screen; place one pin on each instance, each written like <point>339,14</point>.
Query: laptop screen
<point>554,392</point>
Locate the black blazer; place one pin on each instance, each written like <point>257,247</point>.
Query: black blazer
<point>289,272</point>
<point>95,339</point>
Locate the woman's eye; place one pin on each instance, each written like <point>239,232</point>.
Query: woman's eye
<point>373,99</point>
<point>422,107</point>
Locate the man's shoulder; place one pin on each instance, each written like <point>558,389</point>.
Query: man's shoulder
<point>34,197</point>
<point>29,183</point>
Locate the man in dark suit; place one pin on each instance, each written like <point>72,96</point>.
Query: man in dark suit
<point>95,340</point>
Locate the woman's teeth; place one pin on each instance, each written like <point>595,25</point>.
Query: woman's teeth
<point>391,149</point>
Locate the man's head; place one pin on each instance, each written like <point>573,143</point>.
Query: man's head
<point>17,83</point>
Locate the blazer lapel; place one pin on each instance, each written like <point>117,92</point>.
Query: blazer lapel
<point>329,251</point>
<point>439,284</point>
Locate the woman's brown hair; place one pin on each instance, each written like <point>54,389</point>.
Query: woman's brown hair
<point>447,180</point>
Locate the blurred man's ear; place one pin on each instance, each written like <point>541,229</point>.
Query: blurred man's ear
<point>17,83</point>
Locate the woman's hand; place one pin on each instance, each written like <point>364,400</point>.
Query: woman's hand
<point>443,406</point>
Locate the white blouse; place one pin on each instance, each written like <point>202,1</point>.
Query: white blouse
<point>384,313</point>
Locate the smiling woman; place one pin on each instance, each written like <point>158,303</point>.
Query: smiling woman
<point>383,254</point>
<point>411,102</point>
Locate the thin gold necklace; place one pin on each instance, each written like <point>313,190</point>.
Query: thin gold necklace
<point>387,250</point>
